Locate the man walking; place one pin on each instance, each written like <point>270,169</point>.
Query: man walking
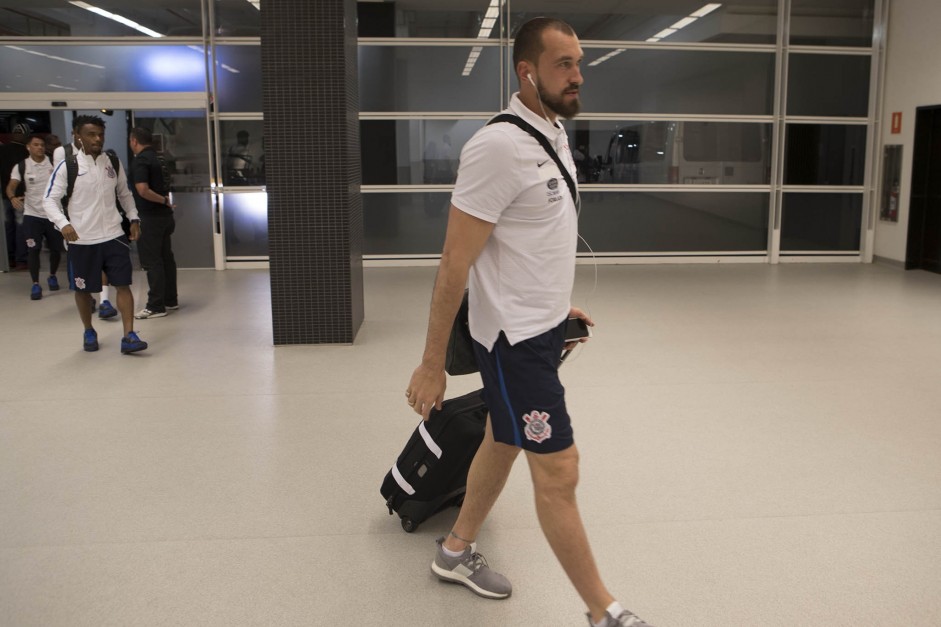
<point>151,188</point>
<point>512,229</point>
<point>10,155</point>
<point>106,310</point>
<point>97,243</point>
<point>33,173</point>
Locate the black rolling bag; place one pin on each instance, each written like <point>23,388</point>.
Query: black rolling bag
<point>431,472</point>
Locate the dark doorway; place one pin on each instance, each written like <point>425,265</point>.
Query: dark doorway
<point>924,218</point>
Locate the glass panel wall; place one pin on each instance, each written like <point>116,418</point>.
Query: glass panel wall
<point>236,18</point>
<point>821,223</point>
<point>238,76</point>
<point>405,223</point>
<point>832,22</point>
<point>824,154</point>
<point>246,224</point>
<point>679,82</point>
<point>822,86</point>
<point>425,78</point>
<point>180,138</point>
<point>178,18</point>
<point>243,152</point>
<point>683,222</point>
<point>828,85</point>
<point>102,68</point>
<point>736,22</point>
<point>413,152</point>
<point>661,152</point>
<point>677,96</point>
<point>655,114</point>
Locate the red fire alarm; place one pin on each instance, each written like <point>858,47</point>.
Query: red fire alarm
<point>896,122</point>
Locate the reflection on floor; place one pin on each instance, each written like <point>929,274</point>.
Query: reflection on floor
<point>760,447</point>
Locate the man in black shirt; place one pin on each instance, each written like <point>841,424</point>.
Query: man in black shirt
<point>10,155</point>
<point>151,187</point>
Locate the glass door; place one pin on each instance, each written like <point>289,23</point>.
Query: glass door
<point>180,136</point>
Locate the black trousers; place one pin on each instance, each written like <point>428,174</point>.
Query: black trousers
<point>35,230</point>
<point>156,257</point>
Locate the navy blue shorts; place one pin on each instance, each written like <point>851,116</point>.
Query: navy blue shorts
<point>35,229</point>
<point>524,393</point>
<point>88,261</point>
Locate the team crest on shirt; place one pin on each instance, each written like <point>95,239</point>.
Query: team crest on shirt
<point>80,283</point>
<point>537,426</point>
<point>31,243</point>
<point>553,184</point>
<point>110,172</point>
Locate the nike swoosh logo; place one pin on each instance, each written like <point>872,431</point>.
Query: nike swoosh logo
<point>539,165</point>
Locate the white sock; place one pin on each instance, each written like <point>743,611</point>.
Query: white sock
<point>105,289</point>
<point>614,610</point>
<point>451,553</point>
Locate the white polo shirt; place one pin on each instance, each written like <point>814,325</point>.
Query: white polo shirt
<point>92,209</point>
<point>522,281</point>
<point>36,175</point>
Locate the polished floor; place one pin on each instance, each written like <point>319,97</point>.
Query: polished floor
<point>761,446</point>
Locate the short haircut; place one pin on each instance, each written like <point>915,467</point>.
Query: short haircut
<point>143,135</point>
<point>527,46</point>
<point>82,120</point>
<point>36,136</point>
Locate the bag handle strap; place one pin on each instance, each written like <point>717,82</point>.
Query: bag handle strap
<point>544,142</point>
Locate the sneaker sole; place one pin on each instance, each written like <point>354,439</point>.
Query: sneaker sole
<point>90,348</point>
<point>128,351</point>
<point>107,316</point>
<point>153,315</point>
<point>452,577</point>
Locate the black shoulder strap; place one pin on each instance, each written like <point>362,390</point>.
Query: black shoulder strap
<point>68,149</point>
<point>539,137</point>
<point>71,173</point>
<point>115,162</point>
<point>21,166</point>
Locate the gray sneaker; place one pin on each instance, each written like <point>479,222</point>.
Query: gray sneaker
<point>470,569</point>
<point>624,619</point>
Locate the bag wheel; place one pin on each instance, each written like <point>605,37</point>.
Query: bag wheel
<point>409,525</point>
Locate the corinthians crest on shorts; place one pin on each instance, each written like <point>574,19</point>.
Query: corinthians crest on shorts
<point>537,426</point>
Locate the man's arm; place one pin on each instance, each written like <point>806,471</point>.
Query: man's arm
<point>465,239</point>
<point>10,191</point>
<point>140,177</point>
<point>144,191</point>
<point>52,202</point>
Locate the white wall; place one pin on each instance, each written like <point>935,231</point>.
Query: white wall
<point>912,79</point>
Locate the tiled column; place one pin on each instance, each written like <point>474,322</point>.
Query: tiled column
<point>312,154</point>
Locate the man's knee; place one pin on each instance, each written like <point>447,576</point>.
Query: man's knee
<point>555,475</point>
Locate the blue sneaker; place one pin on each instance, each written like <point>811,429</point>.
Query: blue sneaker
<point>36,292</point>
<point>106,310</point>
<point>91,340</point>
<point>53,283</point>
<point>132,344</point>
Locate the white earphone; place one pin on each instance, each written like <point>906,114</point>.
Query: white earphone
<point>530,77</point>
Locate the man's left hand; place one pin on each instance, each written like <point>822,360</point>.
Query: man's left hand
<point>575,312</point>
<point>135,231</point>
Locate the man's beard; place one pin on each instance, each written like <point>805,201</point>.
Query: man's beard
<point>559,106</point>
